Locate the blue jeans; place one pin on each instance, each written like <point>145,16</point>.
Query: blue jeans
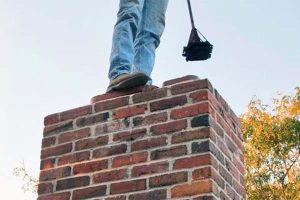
<point>140,24</point>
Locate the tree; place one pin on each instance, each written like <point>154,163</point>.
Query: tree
<point>272,148</point>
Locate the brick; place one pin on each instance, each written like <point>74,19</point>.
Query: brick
<point>223,148</point>
<point>217,178</point>
<point>190,135</point>
<point>190,162</point>
<point>223,196</point>
<point>56,196</point>
<point>168,179</point>
<point>74,135</point>
<point>238,188</point>
<point>216,152</point>
<point>168,103</point>
<point>57,150</point>
<point>153,168</point>
<point>47,142</point>
<point>150,119</point>
<point>55,173</point>
<point>201,95</point>
<point>191,86</point>
<point>112,104</point>
<point>110,176</point>
<point>156,194</point>
<point>89,192</point>
<point>181,79</point>
<point>129,135</point>
<point>149,143</point>
<point>231,193</point>
<point>77,112</point>
<point>57,128</point>
<point>90,143</point>
<point>169,152</point>
<point>202,173</point>
<point>90,120</point>
<point>200,147</point>
<point>116,198</point>
<point>45,188</point>
<point>225,174</point>
<point>239,165</point>
<point>129,159</point>
<point>47,163</point>
<point>128,186</point>
<point>199,121</point>
<point>72,183</point>
<point>109,151</point>
<point>113,126</point>
<point>129,111</point>
<point>190,189</point>
<point>190,111</point>
<point>217,128</point>
<point>148,96</point>
<point>168,127</point>
<point>90,167</point>
<point>51,119</point>
<point>206,197</point>
<point>74,158</point>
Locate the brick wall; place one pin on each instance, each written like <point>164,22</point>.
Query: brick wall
<point>181,141</point>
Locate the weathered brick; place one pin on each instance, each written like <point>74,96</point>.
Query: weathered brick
<point>55,173</point>
<point>169,152</point>
<point>129,135</point>
<point>47,163</point>
<point>200,147</point>
<point>191,135</point>
<point>148,96</point>
<point>200,95</point>
<point>89,192</point>
<point>150,169</point>
<point>168,179</point>
<point>216,152</point>
<point>74,135</point>
<point>149,143</point>
<point>58,128</point>
<point>108,151</point>
<point>150,119</point>
<point>129,111</point>
<point>191,189</point>
<point>90,120</point>
<point>231,193</point>
<point>156,194</point>
<point>73,113</point>
<point>191,86</point>
<point>90,167</point>
<point>113,126</point>
<point>116,198</point>
<point>45,188</point>
<point>51,119</point>
<point>238,188</point>
<point>56,196</point>
<point>47,142</point>
<point>128,186</point>
<point>181,79</point>
<point>57,150</point>
<point>223,148</point>
<point>73,158</point>
<point>191,162</point>
<point>190,111</point>
<point>225,174</point>
<point>110,176</point>
<point>169,127</point>
<point>168,103</point>
<point>202,120</point>
<point>112,103</point>
<point>205,197</point>
<point>201,173</point>
<point>129,159</point>
<point>223,196</point>
<point>90,143</point>
<point>72,183</point>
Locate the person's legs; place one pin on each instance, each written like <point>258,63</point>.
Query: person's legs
<point>148,37</point>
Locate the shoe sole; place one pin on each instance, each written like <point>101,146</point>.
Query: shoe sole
<point>137,80</point>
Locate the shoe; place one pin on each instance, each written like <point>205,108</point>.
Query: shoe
<point>126,81</point>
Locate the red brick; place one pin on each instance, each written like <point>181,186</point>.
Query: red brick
<point>201,95</point>
<point>231,193</point>
<point>181,79</point>
<point>55,151</point>
<point>90,143</point>
<point>168,127</point>
<point>47,163</point>
<point>129,135</point>
<point>150,119</point>
<point>45,188</point>
<point>92,119</point>
<point>90,167</point>
<point>129,159</point>
<point>111,150</point>
<point>190,135</point>
<point>237,141</point>
<point>205,197</point>
<point>110,176</point>
<point>191,86</point>
<point>113,126</point>
<point>202,173</point>
<point>148,96</point>
<point>149,143</point>
<point>225,174</point>
<point>129,111</point>
<point>128,186</point>
<point>72,183</point>
<point>55,173</point>
<point>168,179</point>
<point>156,194</point>
<point>47,142</point>
<point>73,158</point>
<point>112,104</point>
<point>57,128</point>
<point>74,135</point>
<point>223,148</point>
<point>73,113</point>
<point>232,169</point>
<point>57,196</point>
<point>190,111</point>
<point>238,188</point>
<point>150,169</point>
<point>51,119</point>
<point>116,198</point>
<point>169,152</point>
<point>239,165</point>
<point>190,189</point>
<point>89,192</point>
<point>168,103</point>
<point>191,162</point>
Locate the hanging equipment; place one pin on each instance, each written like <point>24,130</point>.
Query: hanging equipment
<point>197,48</point>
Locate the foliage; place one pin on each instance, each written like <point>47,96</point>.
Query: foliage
<point>272,148</point>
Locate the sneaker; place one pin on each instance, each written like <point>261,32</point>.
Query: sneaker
<point>126,81</point>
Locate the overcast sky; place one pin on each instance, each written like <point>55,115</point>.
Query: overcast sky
<point>54,57</point>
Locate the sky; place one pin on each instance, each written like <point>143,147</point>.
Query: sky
<point>54,56</point>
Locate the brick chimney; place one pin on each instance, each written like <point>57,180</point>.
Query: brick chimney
<point>180,141</point>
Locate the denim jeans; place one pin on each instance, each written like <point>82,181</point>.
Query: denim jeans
<point>140,24</point>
